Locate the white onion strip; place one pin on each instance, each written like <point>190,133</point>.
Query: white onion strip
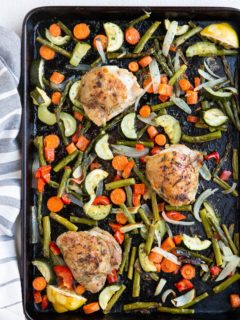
<point>129,151</point>
<point>101,51</point>
<point>180,103</point>
<point>155,75</point>
<point>210,84</point>
<point>167,293</point>
<point>166,255</point>
<point>160,286</point>
<point>169,38</point>
<point>209,69</point>
<point>230,267</point>
<point>184,299</point>
<point>205,75</point>
<point>141,95</point>
<point>180,223</point>
<point>197,205</point>
<point>230,190</point>
<point>149,120</point>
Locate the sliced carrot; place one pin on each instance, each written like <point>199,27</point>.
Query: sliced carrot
<point>37,297</point>
<point>91,307</point>
<point>192,119</point>
<point>102,39</point>
<point>49,154</point>
<point>184,84</point>
<point>82,143</point>
<point>164,80</point>
<point>175,215</point>
<point>160,139</point>
<point>121,218</point>
<point>54,204</point>
<point>46,53</point>
<point>51,141</point>
<point>145,111</point>
<point>168,244</point>
<point>188,271</point>
<point>178,239</point>
<point>119,162</point>
<point>136,199</point>
<point>163,98</point>
<point>139,146</point>
<point>152,132</point>
<point>57,77</point>
<point>39,283</point>
<point>145,61</point>
<point>165,89</point>
<point>128,169</point>
<point>155,150</point>
<point>147,86</point>
<point>40,185</point>
<point>78,116</point>
<point>168,266</point>
<point>80,289</point>
<point>81,31</point>
<point>192,97</point>
<point>94,165</point>
<point>197,82</point>
<point>133,66</point>
<point>161,206</point>
<point>139,188</point>
<point>56,97</point>
<point>55,30</point>
<point>173,48</point>
<point>71,148</point>
<point>158,267</point>
<point>155,257</point>
<point>132,36</point>
<point>235,300</point>
<point>118,196</point>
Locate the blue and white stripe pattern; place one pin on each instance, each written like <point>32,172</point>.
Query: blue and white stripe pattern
<point>10,175</point>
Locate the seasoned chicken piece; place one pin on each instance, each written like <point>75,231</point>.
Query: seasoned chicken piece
<point>107,91</point>
<point>173,174</point>
<point>90,255</point>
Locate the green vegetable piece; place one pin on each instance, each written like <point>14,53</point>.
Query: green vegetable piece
<point>79,51</point>
<point>206,49</point>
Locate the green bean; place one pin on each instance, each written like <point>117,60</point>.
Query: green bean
<point>150,238</point>
<point>235,164</point>
<point>187,208</point>
<point>128,242</point>
<point>154,276</point>
<point>162,62</point>
<point>146,36</point>
<point>235,113</point>
<point>180,40</point>
<point>197,255</point>
<point>224,185</point>
<point>217,252</point>
<point>64,95</point>
<point>38,143</point>
<point>196,300</point>
<point>63,183</point>
<point>201,125</point>
<point>53,184</point>
<point>205,105</point>
<point>141,176</point>
<point>143,216</point>
<point>65,161</point>
<point>229,239</point>
<point>231,230</point>
<point>119,184</point>
<point>55,48</point>
<point>140,305</point>
<point>236,239</point>
<point>143,17</point>
<point>86,221</point>
<point>218,229</point>
<point>205,223</point>
<point>155,206</point>
<point>96,62</point>
<point>225,284</point>
<point>162,112</point>
<point>76,195</point>
<point>65,29</point>
<point>142,131</point>
<point>78,161</point>
<point>117,119</point>
<point>114,299</point>
<point>131,263</point>
<point>201,139</point>
<point>148,144</point>
<point>46,236</point>
<point>136,283</point>
<point>163,105</point>
<point>61,128</point>
<point>182,56</point>
<point>128,191</point>
<point>39,212</point>
<point>130,55</point>
<point>85,127</point>
<point>175,310</point>
<point>207,274</point>
<point>223,158</point>
<point>227,69</point>
<point>65,222</point>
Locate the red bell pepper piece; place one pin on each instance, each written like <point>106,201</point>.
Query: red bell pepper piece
<point>54,248</point>
<point>213,155</point>
<point>183,285</point>
<point>49,154</point>
<point>101,200</point>
<point>139,188</point>
<point>112,277</point>
<point>65,276</point>
<point>215,270</point>
<point>225,175</point>
<point>37,297</point>
<point>44,173</point>
<point>119,236</point>
<point>115,226</point>
<point>65,199</point>
<point>139,146</point>
<point>44,304</point>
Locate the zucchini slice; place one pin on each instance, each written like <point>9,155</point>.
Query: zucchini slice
<point>218,95</point>
<point>97,212</point>
<point>45,268</point>
<point>73,92</point>
<point>79,51</point>
<point>46,116</point>
<point>102,148</point>
<point>40,98</point>
<point>171,127</point>
<point>92,180</point>
<point>128,126</point>
<point>70,124</point>
<point>146,264</point>
<point>114,35</point>
<point>37,73</point>
<point>214,117</point>
<point>58,41</point>
<point>194,243</point>
<point>107,294</point>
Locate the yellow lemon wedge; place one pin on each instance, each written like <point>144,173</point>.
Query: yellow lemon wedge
<point>222,33</point>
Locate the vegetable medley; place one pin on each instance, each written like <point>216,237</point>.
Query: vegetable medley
<point>124,116</point>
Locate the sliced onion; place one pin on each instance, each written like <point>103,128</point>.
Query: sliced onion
<point>77,173</point>
<point>204,267</point>
<point>160,286</point>
<point>101,51</point>
<point>141,95</point>
<point>184,299</point>
<point>169,37</point>
<point>131,226</point>
<point>147,210</point>
<point>180,103</point>
<point>75,200</point>
<point>167,293</point>
<point>226,251</point>
<point>230,190</point>
<point>230,267</point>
<point>169,231</point>
<point>180,223</point>
<point>129,151</point>
<point>209,70</point>
<point>210,84</point>
<point>231,89</point>
<point>197,205</point>
<point>166,255</point>
<point>158,237</point>
<point>205,75</point>
<point>35,166</point>
<point>205,172</point>
<point>80,67</point>
<point>149,120</point>
<point>155,75</point>
<point>99,190</point>
<point>34,226</point>
<point>176,62</point>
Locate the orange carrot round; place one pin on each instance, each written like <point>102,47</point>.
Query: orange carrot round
<point>91,307</point>
<point>160,139</point>
<point>132,36</point>
<point>56,97</point>
<point>54,204</point>
<point>119,162</point>
<point>147,86</point>
<point>188,271</point>
<point>133,66</point>
<point>39,283</point>
<point>51,141</point>
<point>81,31</point>
<point>57,77</point>
<point>55,30</point>
<point>80,289</point>
<point>46,53</point>
<point>121,218</point>
<point>168,266</point>
<point>145,61</point>
<point>103,39</point>
<point>235,300</point>
<point>145,111</point>
<point>118,196</point>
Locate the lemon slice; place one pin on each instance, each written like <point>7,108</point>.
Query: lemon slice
<point>106,295</point>
<point>114,35</point>
<point>222,33</point>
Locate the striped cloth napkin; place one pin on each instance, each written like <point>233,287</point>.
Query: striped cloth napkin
<point>10,175</point>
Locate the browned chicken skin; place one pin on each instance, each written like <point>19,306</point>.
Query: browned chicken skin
<point>90,255</point>
<point>173,174</point>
